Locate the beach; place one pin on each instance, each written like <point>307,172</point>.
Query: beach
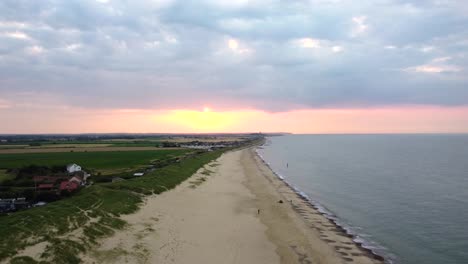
<point>234,210</point>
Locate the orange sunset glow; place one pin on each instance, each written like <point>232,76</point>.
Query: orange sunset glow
<point>408,119</point>
<point>386,120</point>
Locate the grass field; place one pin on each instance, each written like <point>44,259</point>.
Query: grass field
<point>137,142</point>
<point>94,211</point>
<point>89,160</point>
<point>5,176</point>
<point>71,145</point>
<point>12,146</point>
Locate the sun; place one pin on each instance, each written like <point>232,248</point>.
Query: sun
<point>203,120</point>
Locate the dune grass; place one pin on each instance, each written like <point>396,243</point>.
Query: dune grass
<point>93,212</point>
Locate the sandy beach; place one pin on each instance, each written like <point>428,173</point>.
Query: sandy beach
<point>234,210</point>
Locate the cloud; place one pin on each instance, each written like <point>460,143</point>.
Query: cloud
<point>4,104</point>
<point>35,50</point>
<point>308,43</point>
<point>235,45</point>
<point>269,55</point>
<point>17,35</point>
<point>73,47</point>
<point>337,49</point>
<point>427,49</point>
<point>320,44</point>
<point>434,68</point>
<point>360,25</point>
<point>12,24</point>
<point>437,65</point>
<point>442,59</point>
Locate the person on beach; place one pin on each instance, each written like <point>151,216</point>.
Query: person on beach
<point>258,211</point>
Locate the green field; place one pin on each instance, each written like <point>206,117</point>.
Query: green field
<point>88,160</point>
<point>5,176</point>
<point>117,142</point>
<point>105,202</point>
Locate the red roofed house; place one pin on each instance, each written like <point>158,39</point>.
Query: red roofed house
<point>68,186</point>
<point>76,178</point>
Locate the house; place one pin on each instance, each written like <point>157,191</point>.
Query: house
<point>138,174</point>
<point>68,186</point>
<point>82,175</point>
<point>71,168</point>
<point>77,179</point>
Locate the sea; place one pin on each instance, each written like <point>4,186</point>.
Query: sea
<point>405,197</point>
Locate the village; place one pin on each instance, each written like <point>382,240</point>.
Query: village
<point>48,188</point>
<point>40,185</point>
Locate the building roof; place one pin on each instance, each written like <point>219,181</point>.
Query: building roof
<point>77,178</point>
<point>71,165</point>
<point>68,185</point>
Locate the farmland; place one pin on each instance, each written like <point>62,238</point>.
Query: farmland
<point>90,160</point>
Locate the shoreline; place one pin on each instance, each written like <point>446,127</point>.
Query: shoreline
<point>232,210</point>
<point>325,213</point>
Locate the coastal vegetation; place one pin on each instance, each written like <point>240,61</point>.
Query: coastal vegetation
<point>71,226</point>
<point>18,179</point>
<point>119,180</point>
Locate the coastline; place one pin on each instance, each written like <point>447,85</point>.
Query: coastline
<point>315,208</point>
<point>233,210</point>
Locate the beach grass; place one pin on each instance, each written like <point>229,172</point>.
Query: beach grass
<point>93,212</point>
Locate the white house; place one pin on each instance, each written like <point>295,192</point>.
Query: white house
<point>138,174</point>
<point>71,168</point>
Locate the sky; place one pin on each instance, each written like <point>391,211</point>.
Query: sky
<point>170,66</point>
